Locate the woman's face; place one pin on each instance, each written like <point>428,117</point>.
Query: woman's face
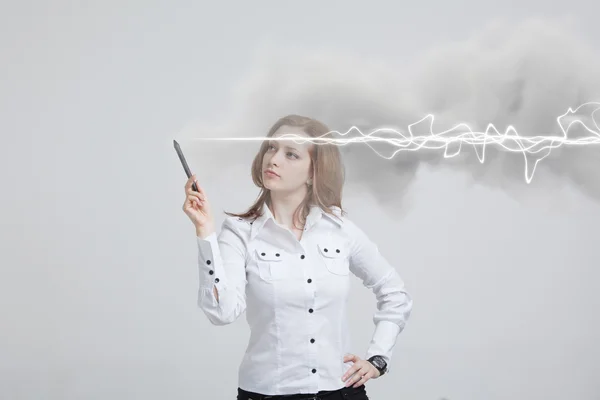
<point>289,160</point>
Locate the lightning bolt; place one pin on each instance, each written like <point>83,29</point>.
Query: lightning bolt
<point>533,148</point>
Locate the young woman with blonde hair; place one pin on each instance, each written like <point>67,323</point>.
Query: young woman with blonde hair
<point>286,262</point>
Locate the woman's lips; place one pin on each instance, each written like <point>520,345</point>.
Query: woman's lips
<point>271,174</point>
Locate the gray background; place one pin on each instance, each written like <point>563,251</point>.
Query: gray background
<point>98,261</point>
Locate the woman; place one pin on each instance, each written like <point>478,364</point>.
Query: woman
<point>287,263</point>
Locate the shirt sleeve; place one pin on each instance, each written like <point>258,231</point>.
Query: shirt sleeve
<point>222,264</point>
<point>394,304</point>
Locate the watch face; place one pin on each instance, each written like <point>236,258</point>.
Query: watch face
<point>379,363</point>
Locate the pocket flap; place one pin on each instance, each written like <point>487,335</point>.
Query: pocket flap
<point>269,254</point>
<point>332,250</point>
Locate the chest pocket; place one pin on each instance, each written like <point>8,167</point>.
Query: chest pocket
<point>274,264</point>
<point>334,254</point>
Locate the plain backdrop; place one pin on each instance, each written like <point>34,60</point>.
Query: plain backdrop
<point>98,274</point>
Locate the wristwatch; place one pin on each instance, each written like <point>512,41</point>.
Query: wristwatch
<point>379,363</point>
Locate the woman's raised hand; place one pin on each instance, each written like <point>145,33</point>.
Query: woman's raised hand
<point>197,208</point>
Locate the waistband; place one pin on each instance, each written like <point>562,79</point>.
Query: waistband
<point>341,393</point>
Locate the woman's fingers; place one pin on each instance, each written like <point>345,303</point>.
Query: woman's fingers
<point>355,365</point>
<point>188,185</point>
<point>191,180</point>
<point>190,202</point>
<point>361,375</point>
<point>192,205</point>
<point>351,357</point>
<point>191,192</point>
<point>196,199</point>
<point>197,202</point>
<point>363,379</point>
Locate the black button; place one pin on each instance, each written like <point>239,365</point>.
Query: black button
<point>211,272</point>
<point>337,250</point>
<point>302,256</point>
<point>312,340</point>
<point>314,371</point>
<point>217,280</point>
<point>262,254</point>
<point>325,250</point>
<point>310,310</point>
<point>239,219</point>
<point>309,280</point>
<point>208,262</point>
<point>276,254</point>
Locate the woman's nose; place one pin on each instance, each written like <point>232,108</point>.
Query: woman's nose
<point>275,158</point>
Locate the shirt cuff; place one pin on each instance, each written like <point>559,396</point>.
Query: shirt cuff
<point>209,265</point>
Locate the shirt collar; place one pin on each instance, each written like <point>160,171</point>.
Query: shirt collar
<point>312,218</point>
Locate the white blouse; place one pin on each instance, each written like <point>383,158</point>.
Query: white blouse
<point>294,294</point>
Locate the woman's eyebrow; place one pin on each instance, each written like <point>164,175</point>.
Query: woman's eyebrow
<point>272,142</point>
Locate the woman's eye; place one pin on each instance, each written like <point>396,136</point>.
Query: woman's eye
<point>288,154</point>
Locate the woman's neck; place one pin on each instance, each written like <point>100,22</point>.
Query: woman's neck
<point>283,207</point>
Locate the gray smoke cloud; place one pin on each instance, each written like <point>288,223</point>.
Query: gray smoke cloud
<point>520,74</point>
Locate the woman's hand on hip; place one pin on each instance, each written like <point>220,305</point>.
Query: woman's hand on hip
<point>360,372</point>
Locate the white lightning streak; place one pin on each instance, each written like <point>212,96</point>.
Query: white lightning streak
<point>535,147</point>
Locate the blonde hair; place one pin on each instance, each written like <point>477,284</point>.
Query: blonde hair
<point>326,166</point>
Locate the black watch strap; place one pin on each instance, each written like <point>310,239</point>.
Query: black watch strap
<point>379,363</point>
